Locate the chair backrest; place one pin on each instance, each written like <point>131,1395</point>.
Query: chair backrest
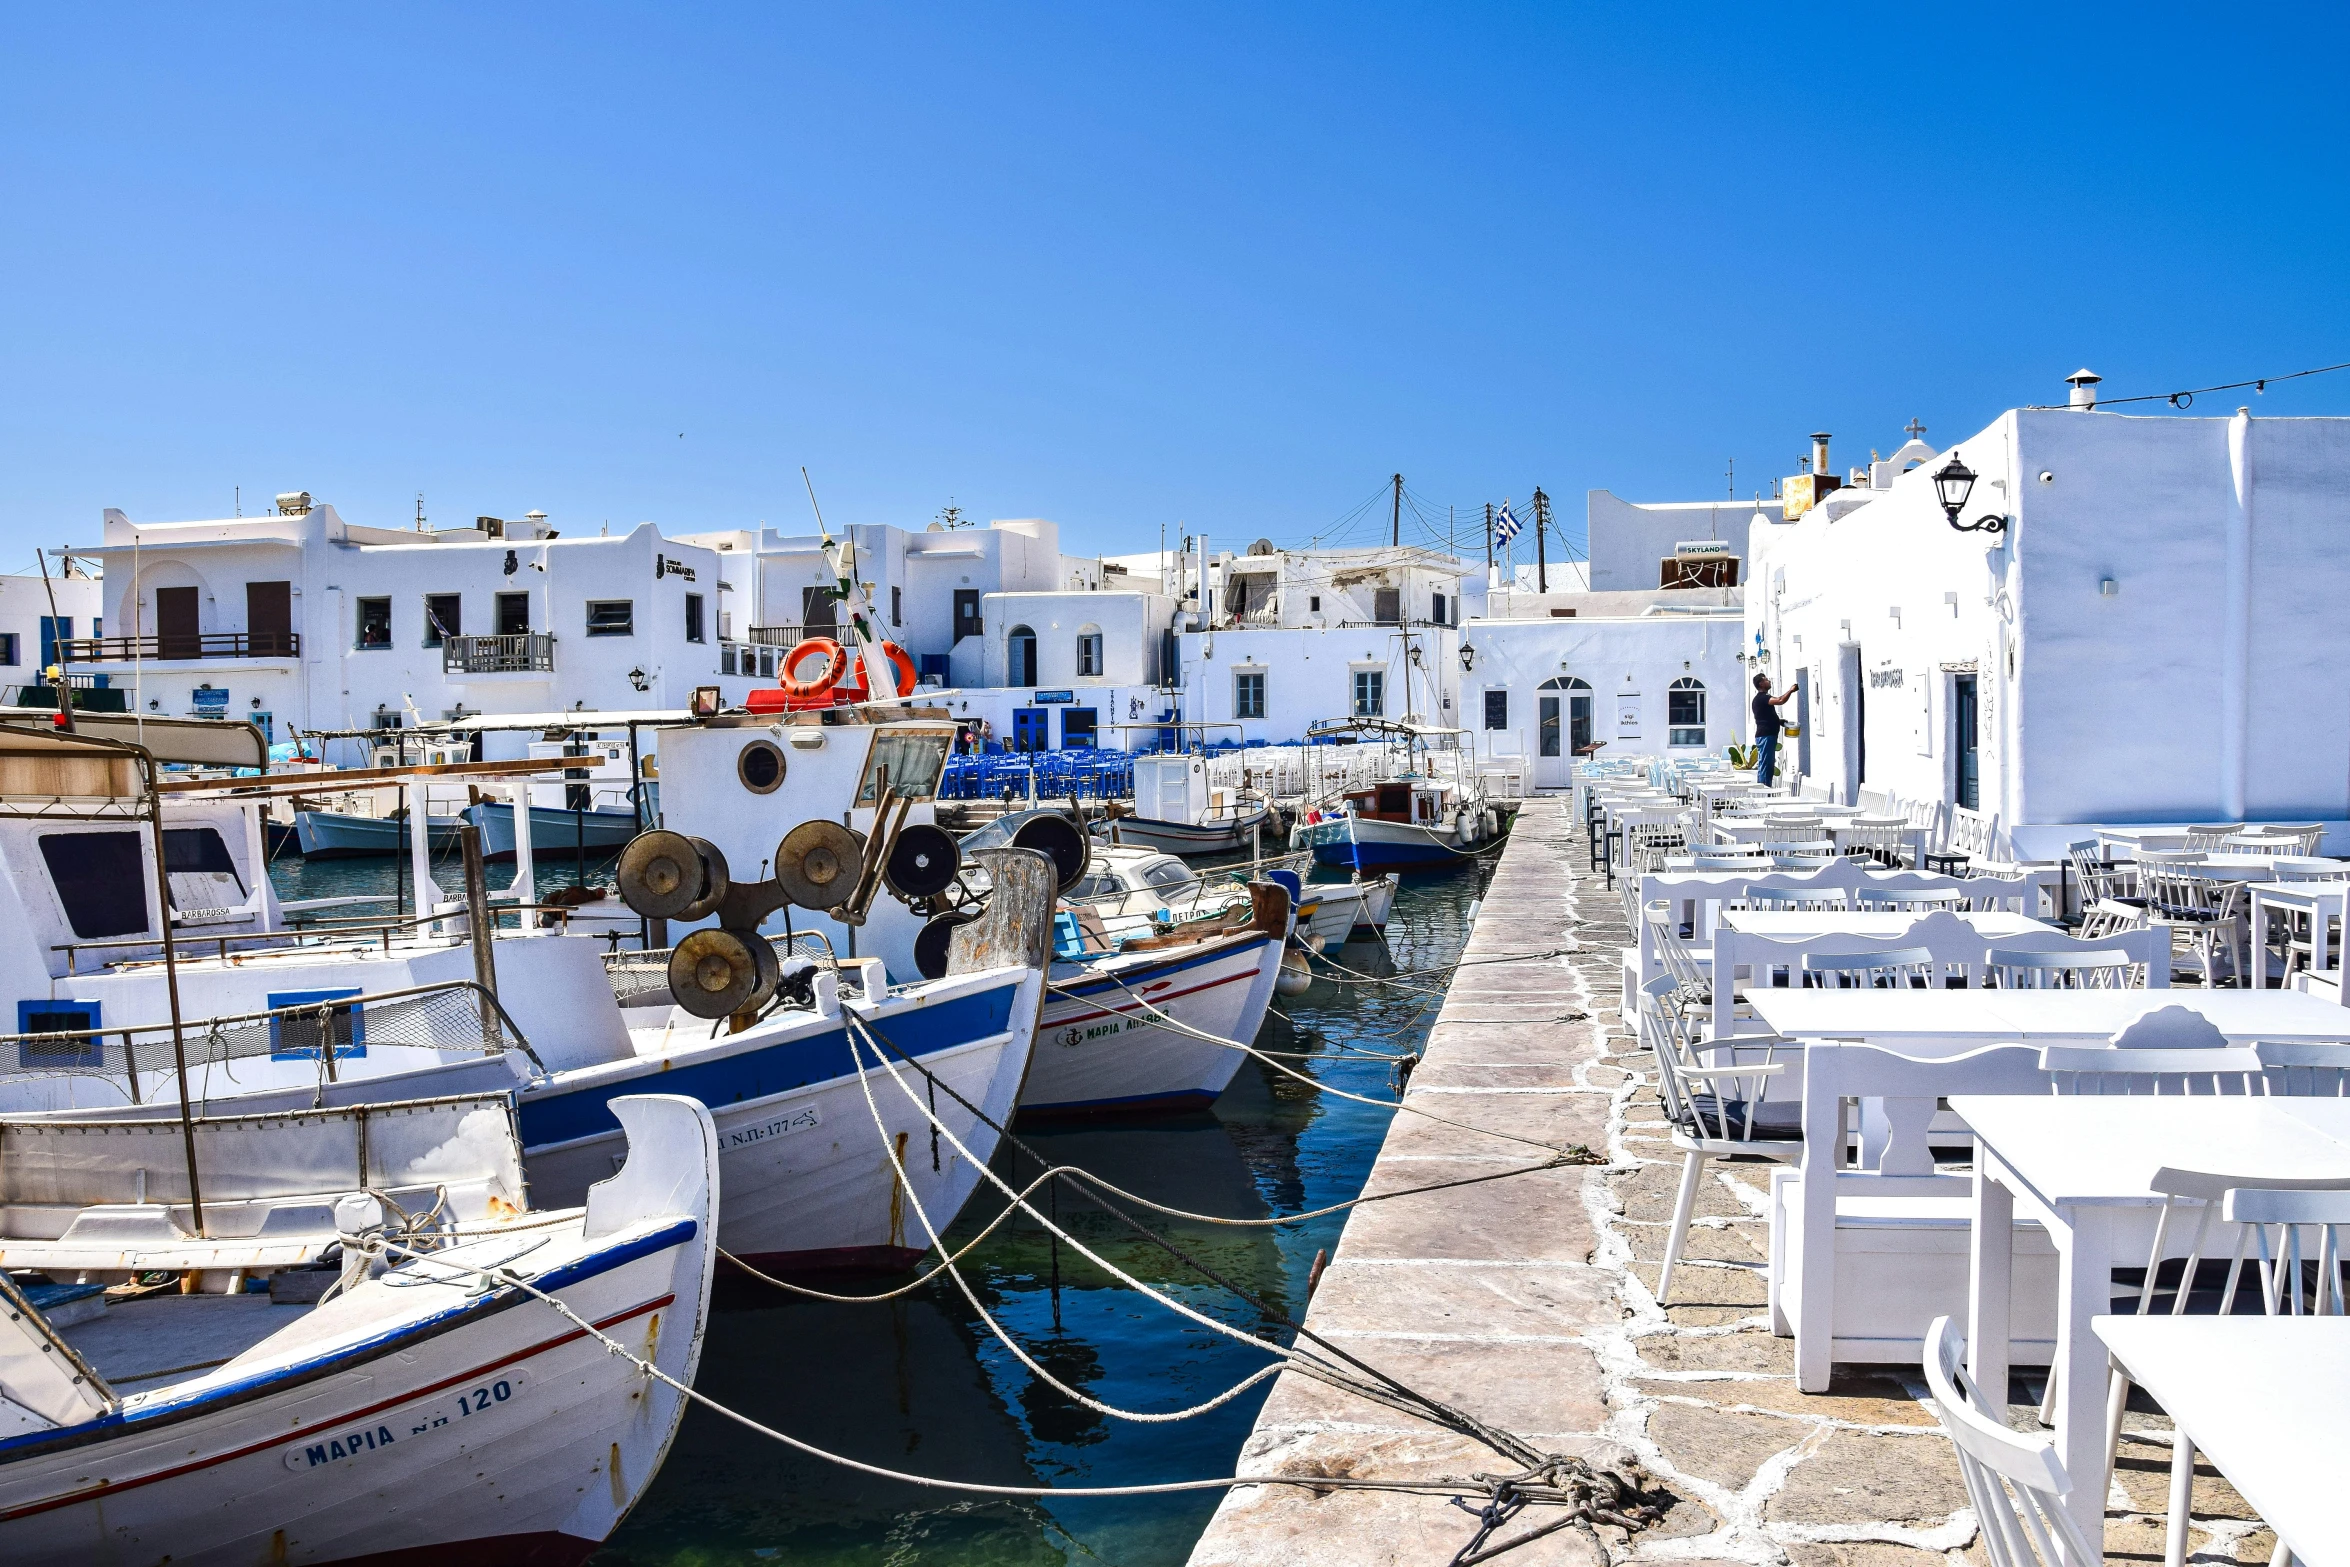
<point>2171,1028</point>
<point>2049,959</point>
<point>1909,1088</point>
<point>2306,1071</point>
<point>2206,839</point>
<point>2292,1227</point>
<point>1935,950</point>
<point>1709,1101</point>
<point>2101,1070</point>
<point>2304,867</point>
<point>1886,898</point>
<point>2016,1482</point>
<point>1896,968</point>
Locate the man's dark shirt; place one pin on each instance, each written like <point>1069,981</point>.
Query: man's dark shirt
<point>1766,716</point>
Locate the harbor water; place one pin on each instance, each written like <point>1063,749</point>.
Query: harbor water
<point>920,1385</point>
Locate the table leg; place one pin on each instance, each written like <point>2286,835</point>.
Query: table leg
<point>1990,1270</point>
<point>2084,1290</point>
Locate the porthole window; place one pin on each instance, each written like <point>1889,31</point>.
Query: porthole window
<point>760,767</point>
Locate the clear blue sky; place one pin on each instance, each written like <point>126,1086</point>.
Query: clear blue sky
<point>1207,268</point>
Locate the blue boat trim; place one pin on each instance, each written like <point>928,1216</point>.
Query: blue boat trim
<point>551,1115</point>
<point>1083,989</point>
<point>109,1426</point>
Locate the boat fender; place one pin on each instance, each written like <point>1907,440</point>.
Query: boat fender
<point>836,664</point>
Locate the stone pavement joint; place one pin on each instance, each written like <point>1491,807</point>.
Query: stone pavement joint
<point>1529,1303</point>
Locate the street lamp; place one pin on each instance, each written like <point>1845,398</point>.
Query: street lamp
<point>1468,658</point>
<point>636,678</point>
<point>1953,482</point>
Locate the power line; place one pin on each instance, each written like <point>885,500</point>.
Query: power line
<point>2186,399</point>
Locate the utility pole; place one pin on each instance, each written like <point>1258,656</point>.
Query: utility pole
<point>1541,527</point>
<point>1489,544</point>
<point>1395,516</point>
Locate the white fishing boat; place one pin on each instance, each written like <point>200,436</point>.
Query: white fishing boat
<point>1178,810</point>
<point>1129,887</point>
<point>1123,1030</point>
<point>408,1009</point>
<point>1428,813</point>
<point>339,819</point>
<point>422,1410</point>
<point>339,835</point>
<point>553,830</point>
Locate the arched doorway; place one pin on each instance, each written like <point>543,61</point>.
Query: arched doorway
<point>1019,657</point>
<point>1562,707</point>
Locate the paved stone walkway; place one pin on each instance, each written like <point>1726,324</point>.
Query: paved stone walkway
<point>1528,1302</point>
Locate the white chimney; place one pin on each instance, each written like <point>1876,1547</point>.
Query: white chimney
<point>2084,385</point>
<point>1819,451</point>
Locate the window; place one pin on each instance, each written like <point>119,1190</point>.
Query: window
<point>1438,617</point>
<point>1089,653</point>
<point>1020,657</point>
<point>8,648</point>
<point>444,617</point>
<point>301,1036</point>
<point>199,877</point>
<point>101,878</point>
<point>513,614</point>
<point>1248,693</point>
<point>897,605</point>
<point>611,617</point>
<point>693,617</point>
<point>1080,728</point>
<point>966,613</point>
<point>1370,693</point>
<point>58,1017</point>
<point>1387,605</point>
<point>818,607</point>
<point>1685,712</point>
<point>1497,709</point>
<point>375,623</point>
<point>1313,603</point>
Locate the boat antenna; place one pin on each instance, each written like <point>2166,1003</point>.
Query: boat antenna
<point>812,506</point>
<point>57,639</point>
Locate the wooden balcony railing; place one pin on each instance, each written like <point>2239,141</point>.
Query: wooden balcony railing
<point>532,652</point>
<point>188,644</point>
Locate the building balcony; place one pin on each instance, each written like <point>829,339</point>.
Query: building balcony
<point>180,646</point>
<point>792,636</point>
<point>530,653</point>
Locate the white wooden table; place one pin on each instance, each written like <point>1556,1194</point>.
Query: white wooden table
<point>2083,1168</point>
<point>1961,1019</point>
<point>1801,925</point>
<point>2322,901</point>
<point>2262,1398</point>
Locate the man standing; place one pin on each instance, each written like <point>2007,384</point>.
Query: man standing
<point>1766,728</point>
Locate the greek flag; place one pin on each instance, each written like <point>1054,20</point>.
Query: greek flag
<point>1505,526</point>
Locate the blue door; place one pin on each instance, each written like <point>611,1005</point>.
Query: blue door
<point>1032,729</point>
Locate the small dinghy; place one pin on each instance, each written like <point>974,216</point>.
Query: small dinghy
<point>424,1400</point>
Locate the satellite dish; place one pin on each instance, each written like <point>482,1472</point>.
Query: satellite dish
<point>1261,547</point>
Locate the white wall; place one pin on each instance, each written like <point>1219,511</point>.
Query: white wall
<point>1130,625</point>
<point>1629,664</point>
<point>1630,540</point>
<point>2210,685</point>
<point>1309,675</point>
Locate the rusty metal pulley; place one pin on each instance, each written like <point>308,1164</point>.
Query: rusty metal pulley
<point>718,972</point>
<point>669,876</point>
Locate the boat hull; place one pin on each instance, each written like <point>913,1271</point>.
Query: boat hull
<point>333,835</point>
<point>471,1428</point>
<point>1348,911</point>
<point>552,831</point>
<point>1186,838</point>
<point>1099,1052</point>
<point>809,1179</point>
<point>1365,844</point>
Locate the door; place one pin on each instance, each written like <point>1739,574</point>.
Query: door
<point>269,617</point>
<point>175,623</point>
<point>966,613</point>
<point>513,614</point>
<point>1966,766</point>
<point>1032,728</point>
<point>1801,707</point>
<point>817,610</point>
<point>1852,704</point>
<point>56,628</point>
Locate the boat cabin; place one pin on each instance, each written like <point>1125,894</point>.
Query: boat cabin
<point>1417,801</point>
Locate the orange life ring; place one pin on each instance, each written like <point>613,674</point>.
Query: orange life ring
<point>836,664</point>
<point>903,663</point>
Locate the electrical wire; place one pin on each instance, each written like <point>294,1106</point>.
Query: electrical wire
<point>2186,399</point>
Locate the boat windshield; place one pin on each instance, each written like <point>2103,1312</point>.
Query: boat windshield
<point>911,762</point>
<point>1167,871</point>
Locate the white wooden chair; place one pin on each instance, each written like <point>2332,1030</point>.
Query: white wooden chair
<point>1716,1110</point>
<point>2016,1483</point>
<point>2306,1071</point>
<point>2097,1070</point>
<point>2200,910</point>
<point>2096,968</point>
<point>1884,839</point>
<point>1864,1258</point>
<point>1889,900</point>
<point>2210,838</point>
<point>2276,838</point>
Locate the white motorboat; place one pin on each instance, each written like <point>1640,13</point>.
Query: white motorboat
<point>554,831</point>
<point>1429,812</point>
<point>1129,887</point>
<point>339,835</point>
<point>1178,811</point>
<point>1121,1033</point>
<point>396,1014</point>
<point>423,1412</point>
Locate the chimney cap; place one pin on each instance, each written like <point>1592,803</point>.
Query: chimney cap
<point>1820,435</point>
<point>2083,377</point>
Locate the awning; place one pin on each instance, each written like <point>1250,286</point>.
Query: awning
<point>200,742</point>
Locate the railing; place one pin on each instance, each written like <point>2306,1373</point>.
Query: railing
<point>189,644</point>
<point>532,652</point>
<point>792,636</point>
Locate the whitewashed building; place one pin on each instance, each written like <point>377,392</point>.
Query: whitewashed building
<point>35,615</point>
<point>302,621</point>
<point>2147,627</point>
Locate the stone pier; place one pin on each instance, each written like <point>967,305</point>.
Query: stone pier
<point>1528,1302</point>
